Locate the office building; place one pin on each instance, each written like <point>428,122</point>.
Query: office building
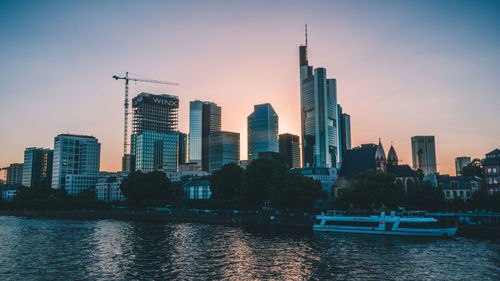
<point>37,167</point>
<point>423,150</point>
<point>491,166</point>
<point>344,131</point>
<point>183,148</point>
<point>155,139</point>
<point>460,163</point>
<point>75,162</point>
<point>289,148</point>
<point>15,174</point>
<point>318,103</point>
<point>204,119</point>
<point>224,149</point>
<point>326,176</point>
<point>262,131</point>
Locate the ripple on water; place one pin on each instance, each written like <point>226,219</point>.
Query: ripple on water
<point>36,249</point>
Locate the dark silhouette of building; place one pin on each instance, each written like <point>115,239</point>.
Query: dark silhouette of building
<point>289,147</point>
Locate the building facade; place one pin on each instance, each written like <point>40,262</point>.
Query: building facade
<point>459,187</point>
<point>183,148</point>
<point>491,166</point>
<point>155,138</point>
<point>224,149</point>
<point>423,150</point>
<point>344,129</point>
<point>460,163</point>
<point>37,167</point>
<point>76,162</point>
<point>289,147</point>
<point>15,174</point>
<point>197,189</point>
<point>204,119</point>
<point>318,103</point>
<point>326,176</point>
<point>108,187</point>
<point>262,131</point>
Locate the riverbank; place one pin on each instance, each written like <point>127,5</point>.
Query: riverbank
<point>166,217</point>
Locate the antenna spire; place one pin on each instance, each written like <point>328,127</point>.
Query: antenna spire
<point>306,34</point>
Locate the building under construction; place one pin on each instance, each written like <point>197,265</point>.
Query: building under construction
<point>154,141</point>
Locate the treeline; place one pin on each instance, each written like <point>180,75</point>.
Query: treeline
<point>37,198</point>
<point>264,183</point>
<point>376,189</point>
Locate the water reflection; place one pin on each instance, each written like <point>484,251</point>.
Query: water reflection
<point>114,250</point>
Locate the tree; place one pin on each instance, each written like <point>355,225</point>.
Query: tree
<point>371,189</point>
<point>144,189</point>
<point>474,169</point>
<point>225,183</point>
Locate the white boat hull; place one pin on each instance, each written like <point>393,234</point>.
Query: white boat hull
<point>443,232</point>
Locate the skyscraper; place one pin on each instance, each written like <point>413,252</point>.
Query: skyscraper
<point>262,131</point>
<point>15,174</point>
<point>204,119</point>
<point>37,167</point>
<point>344,130</point>
<point>183,148</point>
<point>76,162</point>
<point>460,163</point>
<point>290,150</point>
<point>423,152</point>
<point>318,100</point>
<point>224,149</point>
<point>155,139</point>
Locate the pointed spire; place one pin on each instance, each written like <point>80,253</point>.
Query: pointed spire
<point>306,34</point>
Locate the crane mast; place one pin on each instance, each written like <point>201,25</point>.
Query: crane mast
<point>126,104</point>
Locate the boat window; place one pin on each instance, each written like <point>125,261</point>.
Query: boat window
<point>316,222</point>
<point>353,223</point>
<point>419,225</point>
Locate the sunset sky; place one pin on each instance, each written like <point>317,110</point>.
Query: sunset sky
<point>403,68</point>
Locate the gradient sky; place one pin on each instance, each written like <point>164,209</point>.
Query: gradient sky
<point>403,68</point>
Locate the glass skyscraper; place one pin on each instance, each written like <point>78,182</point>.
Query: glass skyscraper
<point>290,150</point>
<point>423,152</point>
<point>76,162</point>
<point>318,99</point>
<point>344,131</point>
<point>224,149</point>
<point>204,119</point>
<point>155,139</point>
<point>37,167</point>
<point>262,131</point>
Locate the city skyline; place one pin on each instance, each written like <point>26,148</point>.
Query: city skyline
<point>449,76</point>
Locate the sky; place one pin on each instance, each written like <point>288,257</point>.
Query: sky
<point>403,68</point>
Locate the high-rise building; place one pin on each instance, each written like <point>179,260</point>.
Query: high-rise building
<point>423,152</point>
<point>491,166</point>
<point>289,147</point>
<point>224,149</point>
<point>318,100</point>
<point>15,174</point>
<point>37,167</point>
<point>262,131</point>
<point>155,139</point>
<point>344,130</point>
<point>76,162</point>
<point>204,119</point>
<point>460,163</point>
<point>183,149</point>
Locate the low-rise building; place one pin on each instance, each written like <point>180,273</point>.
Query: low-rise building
<point>8,192</point>
<point>108,187</point>
<point>461,187</point>
<point>197,189</point>
<point>326,176</point>
<point>491,166</point>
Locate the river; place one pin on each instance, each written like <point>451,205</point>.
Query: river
<point>50,249</point>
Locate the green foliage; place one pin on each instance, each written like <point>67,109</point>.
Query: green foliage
<point>225,183</point>
<point>371,189</point>
<point>147,189</point>
<point>423,195</point>
<point>482,201</point>
<point>266,179</point>
<point>28,193</point>
<point>474,168</point>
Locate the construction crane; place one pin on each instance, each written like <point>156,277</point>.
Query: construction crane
<point>127,78</point>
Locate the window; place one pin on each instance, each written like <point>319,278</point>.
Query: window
<point>468,193</point>
<point>447,193</point>
<point>353,223</point>
<point>454,193</point>
<point>461,193</point>
<point>419,225</point>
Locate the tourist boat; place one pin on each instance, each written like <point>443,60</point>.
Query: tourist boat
<point>407,224</point>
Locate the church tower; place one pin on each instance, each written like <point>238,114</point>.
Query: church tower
<point>392,158</point>
<point>380,160</point>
